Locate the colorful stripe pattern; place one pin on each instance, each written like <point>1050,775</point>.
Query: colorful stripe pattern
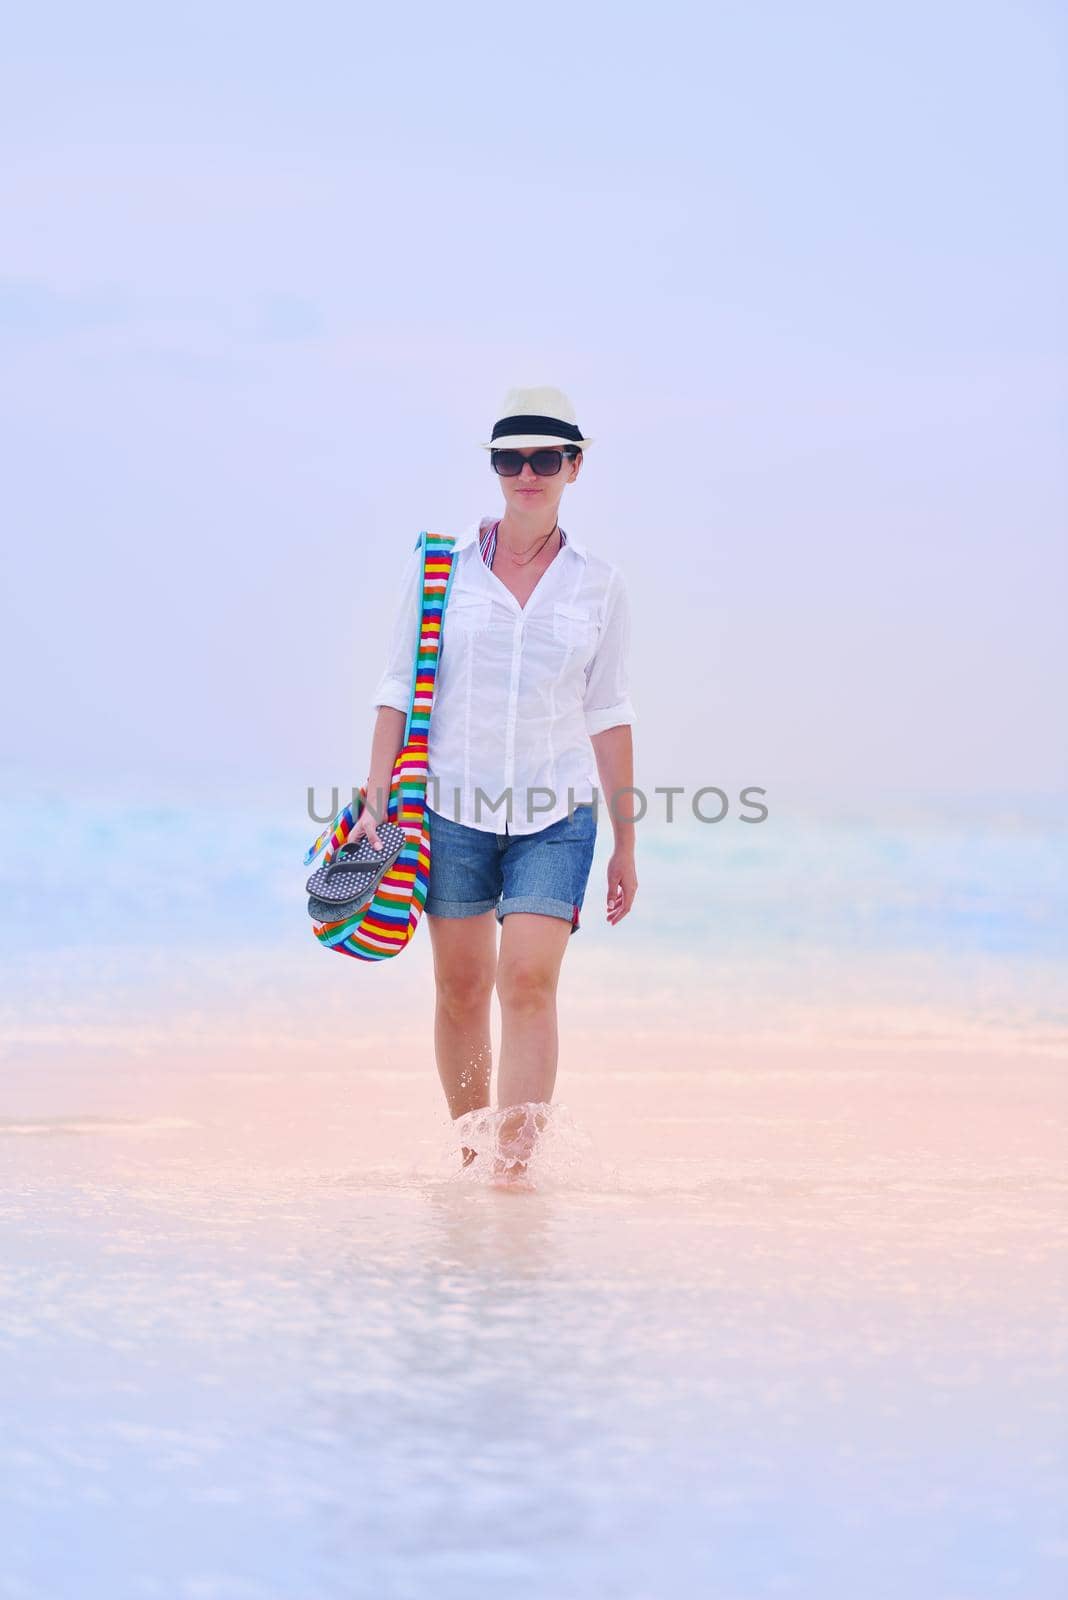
<point>386,924</point>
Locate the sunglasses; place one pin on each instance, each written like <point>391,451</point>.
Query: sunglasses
<point>546,463</point>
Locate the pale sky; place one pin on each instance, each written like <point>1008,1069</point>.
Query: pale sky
<point>266,274</point>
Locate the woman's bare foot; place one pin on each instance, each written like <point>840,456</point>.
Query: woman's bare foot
<point>506,1166</point>
<point>517,1136</point>
<point>519,1129</point>
<point>511,1175</point>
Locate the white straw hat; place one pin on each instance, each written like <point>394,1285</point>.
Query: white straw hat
<point>536,416</point>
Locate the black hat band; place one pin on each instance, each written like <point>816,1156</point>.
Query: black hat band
<point>550,425</point>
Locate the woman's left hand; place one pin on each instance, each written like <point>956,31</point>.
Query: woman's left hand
<point>622,883</point>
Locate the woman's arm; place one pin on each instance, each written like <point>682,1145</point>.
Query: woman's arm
<point>606,702</point>
<point>394,687</point>
<point>385,748</point>
<point>392,696</point>
<point>614,749</point>
<point>609,719</point>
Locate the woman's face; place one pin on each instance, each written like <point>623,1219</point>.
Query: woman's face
<point>528,492</point>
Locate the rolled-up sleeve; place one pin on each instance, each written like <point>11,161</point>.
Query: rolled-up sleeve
<point>394,687</point>
<point>606,703</point>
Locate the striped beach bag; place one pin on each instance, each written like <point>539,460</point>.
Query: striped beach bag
<point>386,924</point>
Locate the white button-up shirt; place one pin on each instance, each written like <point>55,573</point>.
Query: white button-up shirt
<point>520,689</point>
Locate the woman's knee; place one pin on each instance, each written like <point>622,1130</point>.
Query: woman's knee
<point>464,985</point>
<point>526,983</point>
<point>465,961</point>
<point>462,993</point>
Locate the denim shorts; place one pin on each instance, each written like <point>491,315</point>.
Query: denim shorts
<point>473,870</point>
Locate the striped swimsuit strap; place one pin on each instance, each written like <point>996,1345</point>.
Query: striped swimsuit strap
<point>488,541</point>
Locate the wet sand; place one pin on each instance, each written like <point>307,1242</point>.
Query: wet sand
<point>774,1320</point>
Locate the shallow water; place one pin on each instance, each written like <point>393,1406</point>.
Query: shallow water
<point>780,1313</point>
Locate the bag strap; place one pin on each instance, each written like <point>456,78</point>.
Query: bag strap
<point>437,578</point>
<point>437,572</point>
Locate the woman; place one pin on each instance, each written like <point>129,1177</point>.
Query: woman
<point>531,690</point>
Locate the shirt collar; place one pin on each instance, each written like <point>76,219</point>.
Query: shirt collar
<point>471,532</point>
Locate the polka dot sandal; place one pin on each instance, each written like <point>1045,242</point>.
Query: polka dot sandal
<point>355,869</point>
<point>391,838</point>
<point>335,884</point>
<point>331,911</point>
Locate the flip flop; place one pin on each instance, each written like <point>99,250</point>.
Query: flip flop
<point>338,882</point>
<point>329,911</point>
<point>356,869</point>
<point>392,839</point>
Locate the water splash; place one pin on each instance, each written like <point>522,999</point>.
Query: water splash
<point>529,1145</point>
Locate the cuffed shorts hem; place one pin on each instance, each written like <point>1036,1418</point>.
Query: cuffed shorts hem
<point>458,908</point>
<point>542,903</point>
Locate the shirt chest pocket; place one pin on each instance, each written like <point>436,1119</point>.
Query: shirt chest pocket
<point>574,626</point>
<point>467,615</point>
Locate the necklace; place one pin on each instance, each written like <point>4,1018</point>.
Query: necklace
<point>529,559</point>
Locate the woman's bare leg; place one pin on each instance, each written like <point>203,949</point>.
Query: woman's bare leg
<point>528,971</point>
<point>465,966</point>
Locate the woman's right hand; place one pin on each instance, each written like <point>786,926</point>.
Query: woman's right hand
<point>364,828</point>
